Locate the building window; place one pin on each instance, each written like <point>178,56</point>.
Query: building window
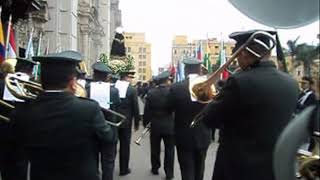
<point>140,70</point>
<point>144,56</point>
<point>143,77</point>
<point>144,50</point>
<point>140,49</point>
<point>143,70</point>
<point>140,56</point>
<point>129,49</point>
<point>217,47</point>
<point>144,63</point>
<point>140,63</point>
<point>175,51</point>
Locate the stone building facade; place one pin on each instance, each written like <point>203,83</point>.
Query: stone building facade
<point>82,25</point>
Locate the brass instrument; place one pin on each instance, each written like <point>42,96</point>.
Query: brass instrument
<point>204,91</point>
<point>309,162</point>
<point>26,89</point>
<point>22,88</point>
<point>3,103</point>
<point>145,131</point>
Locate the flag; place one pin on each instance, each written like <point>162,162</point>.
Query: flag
<point>199,52</point>
<point>207,61</point>
<point>2,44</point>
<point>12,45</point>
<point>221,61</point>
<point>172,69</point>
<point>180,72</point>
<point>29,51</point>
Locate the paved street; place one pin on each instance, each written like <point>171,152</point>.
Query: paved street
<point>140,163</point>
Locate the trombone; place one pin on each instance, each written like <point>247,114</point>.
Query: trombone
<point>145,131</point>
<point>204,91</point>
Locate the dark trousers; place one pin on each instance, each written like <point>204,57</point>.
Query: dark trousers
<point>124,156</point>
<point>108,156</point>
<point>192,163</point>
<point>12,167</point>
<point>155,142</point>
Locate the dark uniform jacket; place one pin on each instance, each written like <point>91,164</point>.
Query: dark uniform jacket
<point>130,108</point>
<point>310,100</point>
<point>254,106</point>
<point>157,110</point>
<point>5,130</point>
<point>185,110</point>
<point>114,105</point>
<point>60,134</point>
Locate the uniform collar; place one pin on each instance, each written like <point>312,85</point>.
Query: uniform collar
<point>267,63</point>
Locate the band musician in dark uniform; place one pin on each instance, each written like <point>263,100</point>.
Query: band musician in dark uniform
<point>108,150</point>
<point>58,131</point>
<point>12,163</point>
<point>253,107</point>
<point>307,95</point>
<point>191,143</point>
<point>157,113</point>
<point>129,108</point>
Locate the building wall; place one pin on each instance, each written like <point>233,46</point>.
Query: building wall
<point>137,47</point>
<point>181,48</point>
<point>115,18</point>
<point>82,25</point>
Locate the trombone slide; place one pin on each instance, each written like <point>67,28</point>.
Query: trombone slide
<point>143,134</point>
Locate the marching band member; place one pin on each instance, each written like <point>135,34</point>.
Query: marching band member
<point>254,106</point>
<point>12,163</point>
<point>102,86</point>
<point>191,143</point>
<point>58,131</point>
<point>157,113</point>
<point>128,107</point>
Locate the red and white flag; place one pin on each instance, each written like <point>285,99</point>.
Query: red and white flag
<point>12,49</point>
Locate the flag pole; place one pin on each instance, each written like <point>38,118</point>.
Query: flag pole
<point>8,36</point>
<point>39,44</point>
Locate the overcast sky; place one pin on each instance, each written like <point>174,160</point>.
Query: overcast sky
<point>198,19</point>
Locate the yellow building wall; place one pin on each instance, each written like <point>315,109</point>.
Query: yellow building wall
<point>137,47</point>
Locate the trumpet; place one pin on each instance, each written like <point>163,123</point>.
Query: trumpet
<point>143,134</point>
<point>203,90</point>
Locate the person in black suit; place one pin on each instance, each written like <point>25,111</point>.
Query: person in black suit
<point>191,143</point>
<point>108,150</point>
<point>157,113</point>
<point>307,96</point>
<point>59,132</point>
<point>129,108</point>
<point>253,107</point>
<point>12,163</point>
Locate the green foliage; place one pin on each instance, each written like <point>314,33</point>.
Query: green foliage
<point>303,53</point>
<point>104,58</point>
<point>118,64</point>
